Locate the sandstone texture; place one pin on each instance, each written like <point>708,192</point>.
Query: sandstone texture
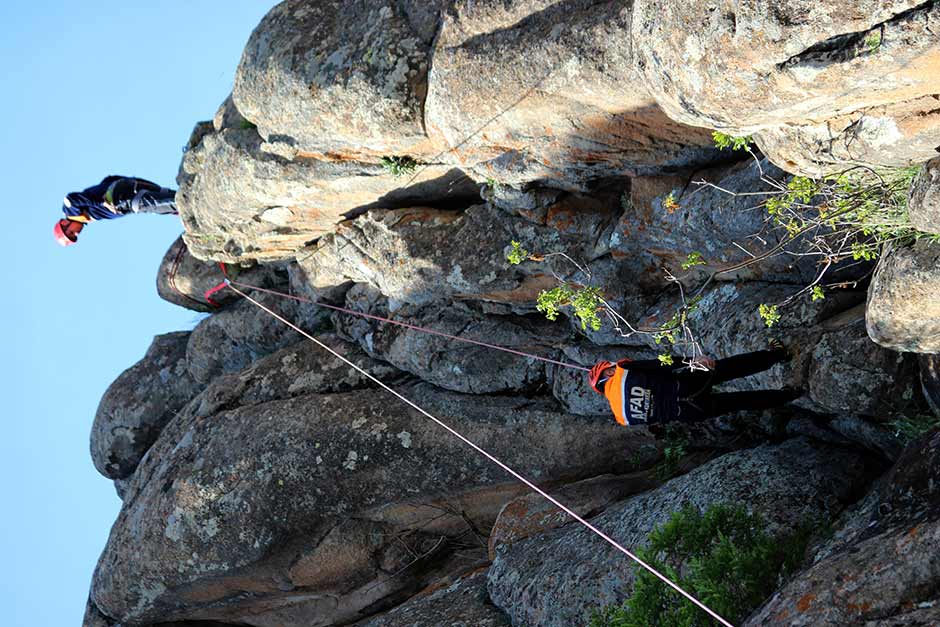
<point>548,90</point>
<point>823,84</point>
<point>240,201</point>
<point>924,201</point>
<point>337,76</point>
<point>904,299</point>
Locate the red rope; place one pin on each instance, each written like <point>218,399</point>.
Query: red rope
<point>414,327</point>
<point>218,288</point>
<point>171,277</point>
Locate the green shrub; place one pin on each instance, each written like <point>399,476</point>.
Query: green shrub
<point>723,141</point>
<point>585,301</point>
<point>399,166</point>
<point>723,557</point>
<point>674,449</point>
<point>910,428</point>
<point>517,253</point>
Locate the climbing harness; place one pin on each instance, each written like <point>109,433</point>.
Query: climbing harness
<point>231,285</point>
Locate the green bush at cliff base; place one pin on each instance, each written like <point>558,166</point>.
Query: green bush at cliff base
<point>723,557</point>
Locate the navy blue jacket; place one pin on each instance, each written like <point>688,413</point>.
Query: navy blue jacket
<point>90,201</point>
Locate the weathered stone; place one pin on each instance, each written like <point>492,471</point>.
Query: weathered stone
<point>539,90</point>
<point>882,136</point>
<point>557,579</point>
<point>266,496</point>
<point>851,374</point>
<point>881,566</point>
<point>879,438</point>
<point>930,380</point>
<point>228,116</point>
<point>338,76</point>
<point>241,203</point>
<point>924,201</point>
<point>532,514</point>
<point>461,603</point>
<point>139,403</point>
<point>703,214</point>
<point>904,299</point>
<point>446,363</point>
<point>300,369</point>
<point>234,337</point>
<point>183,280</point>
<point>749,65</point>
<point>456,255</point>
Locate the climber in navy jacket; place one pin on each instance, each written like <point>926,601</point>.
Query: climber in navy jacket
<point>113,197</point>
<point>647,392</point>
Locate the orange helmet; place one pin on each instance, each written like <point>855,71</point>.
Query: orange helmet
<point>66,231</point>
<point>596,375</point>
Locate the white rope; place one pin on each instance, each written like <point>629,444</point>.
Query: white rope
<point>490,457</point>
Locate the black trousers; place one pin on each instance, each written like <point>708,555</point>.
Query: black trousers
<point>132,195</point>
<point>697,401</point>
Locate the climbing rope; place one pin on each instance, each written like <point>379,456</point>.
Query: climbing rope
<point>414,327</point>
<point>480,450</point>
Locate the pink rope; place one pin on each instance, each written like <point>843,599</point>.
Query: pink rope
<point>456,338</point>
<point>492,458</point>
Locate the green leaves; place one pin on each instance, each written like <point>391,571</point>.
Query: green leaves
<point>769,313</point>
<point>399,166</point>
<point>723,141</point>
<point>724,557</point>
<point>817,293</point>
<point>585,301</point>
<point>517,254</point>
<point>692,260</point>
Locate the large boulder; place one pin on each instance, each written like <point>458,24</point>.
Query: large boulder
<point>140,402</point>
<point>559,578</point>
<point>244,199</point>
<point>324,508</point>
<point>445,362</point>
<point>539,90</point>
<point>457,255</point>
<point>754,64</point>
<point>300,369</point>
<point>236,336</point>
<point>459,603</point>
<point>184,280</point>
<point>924,201</point>
<point>532,514</point>
<point>881,566</point>
<point>880,136</point>
<point>821,82</point>
<point>904,299</point>
<point>339,77</point>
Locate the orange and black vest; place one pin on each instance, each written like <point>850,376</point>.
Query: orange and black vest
<point>641,393</point>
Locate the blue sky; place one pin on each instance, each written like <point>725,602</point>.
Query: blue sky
<point>90,89</point>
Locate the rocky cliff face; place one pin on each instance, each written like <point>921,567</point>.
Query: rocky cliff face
<point>266,483</point>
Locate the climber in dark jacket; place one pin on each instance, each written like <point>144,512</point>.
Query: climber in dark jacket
<point>113,197</point>
<point>648,392</point>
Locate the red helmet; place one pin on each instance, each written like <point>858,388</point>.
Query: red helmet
<point>66,231</point>
<point>597,372</point>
